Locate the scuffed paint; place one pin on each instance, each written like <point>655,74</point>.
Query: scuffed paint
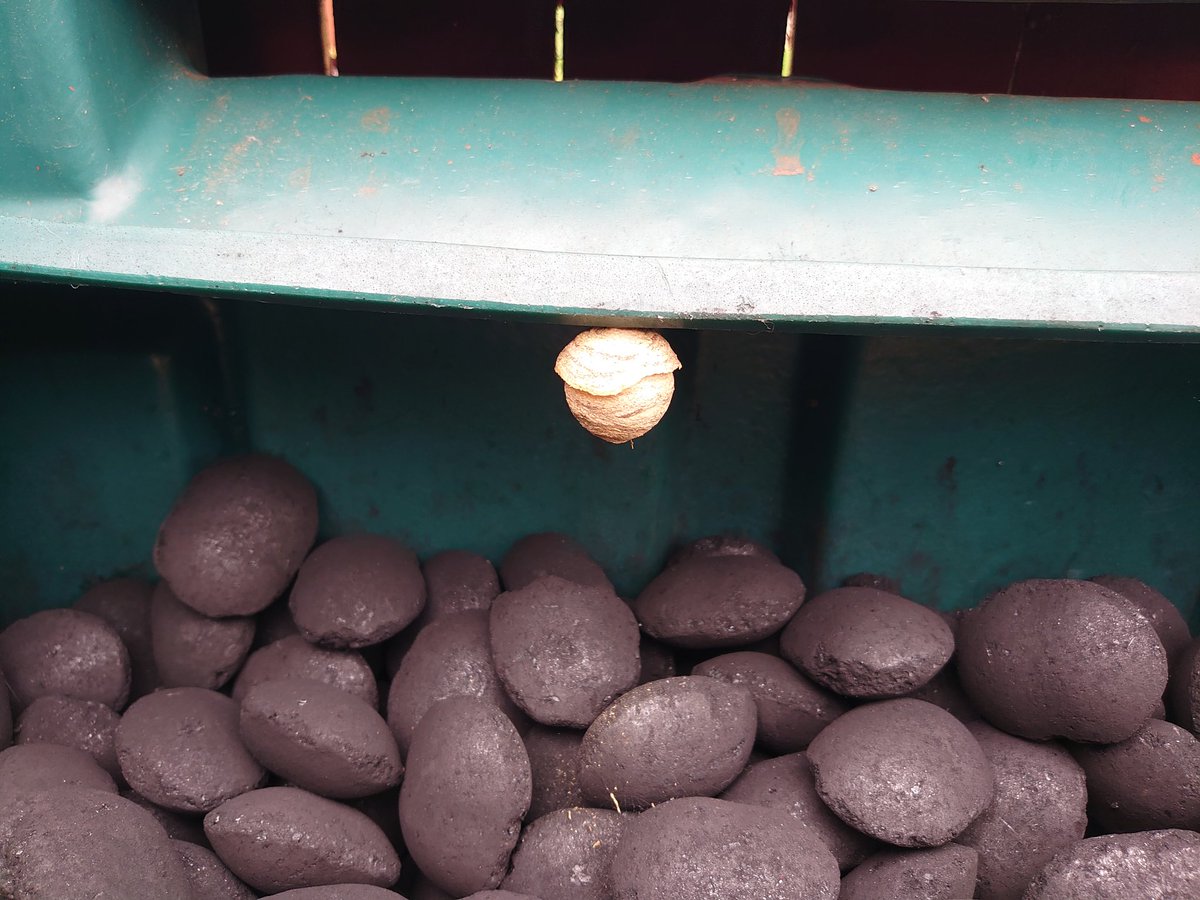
<point>377,119</point>
<point>788,165</point>
<point>786,150</point>
<point>112,196</point>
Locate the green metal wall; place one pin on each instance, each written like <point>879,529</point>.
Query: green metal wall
<point>956,463</point>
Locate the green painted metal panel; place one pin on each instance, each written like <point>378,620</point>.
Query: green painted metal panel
<point>967,464</point>
<point>776,202</point>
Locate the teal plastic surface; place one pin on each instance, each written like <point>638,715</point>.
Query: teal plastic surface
<point>719,201</point>
<point>955,463</point>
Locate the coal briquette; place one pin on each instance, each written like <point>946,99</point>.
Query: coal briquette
<point>1039,808</point>
<point>236,535</point>
<point>867,643</point>
<point>193,650</point>
<point>66,652</point>
<point>537,555</point>
<point>84,724</point>
<point>679,737</point>
<point>1061,658</point>
<point>124,603</point>
<point>208,876</point>
<point>554,764</point>
<point>1147,782</point>
<point>1159,864</point>
<point>464,795</point>
<point>319,738</point>
<point>567,855</point>
<point>786,783</point>
<point>719,601</point>
<point>74,843</point>
<point>31,768</point>
<point>563,651</point>
<point>1168,622</point>
<point>357,590</point>
<point>294,657</point>
<point>451,657</point>
<point>180,748</point>
<point>939,873</point>
<point>281,838</point>
<point>699,848</point>
<point>791,709</point>
<point>904,771</point>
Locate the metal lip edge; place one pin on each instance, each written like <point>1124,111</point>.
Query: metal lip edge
<point>409,274</point>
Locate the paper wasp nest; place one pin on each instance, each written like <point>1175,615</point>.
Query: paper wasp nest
<point>618,381</point>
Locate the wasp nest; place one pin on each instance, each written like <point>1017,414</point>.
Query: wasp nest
<point>618,381</point>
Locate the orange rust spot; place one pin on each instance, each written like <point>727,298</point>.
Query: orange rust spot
<point>1145,120</point>
<point>626,140</point>
<point>788,165</point>
<point>377,119</point>
<point>227,169</point>
<point>788,121</point>
<point>182,71</point>
<point>367,190</point>
<point>1196,159</point>
<point>786,149</point>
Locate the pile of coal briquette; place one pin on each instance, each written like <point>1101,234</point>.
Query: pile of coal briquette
<point>348,722</point>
